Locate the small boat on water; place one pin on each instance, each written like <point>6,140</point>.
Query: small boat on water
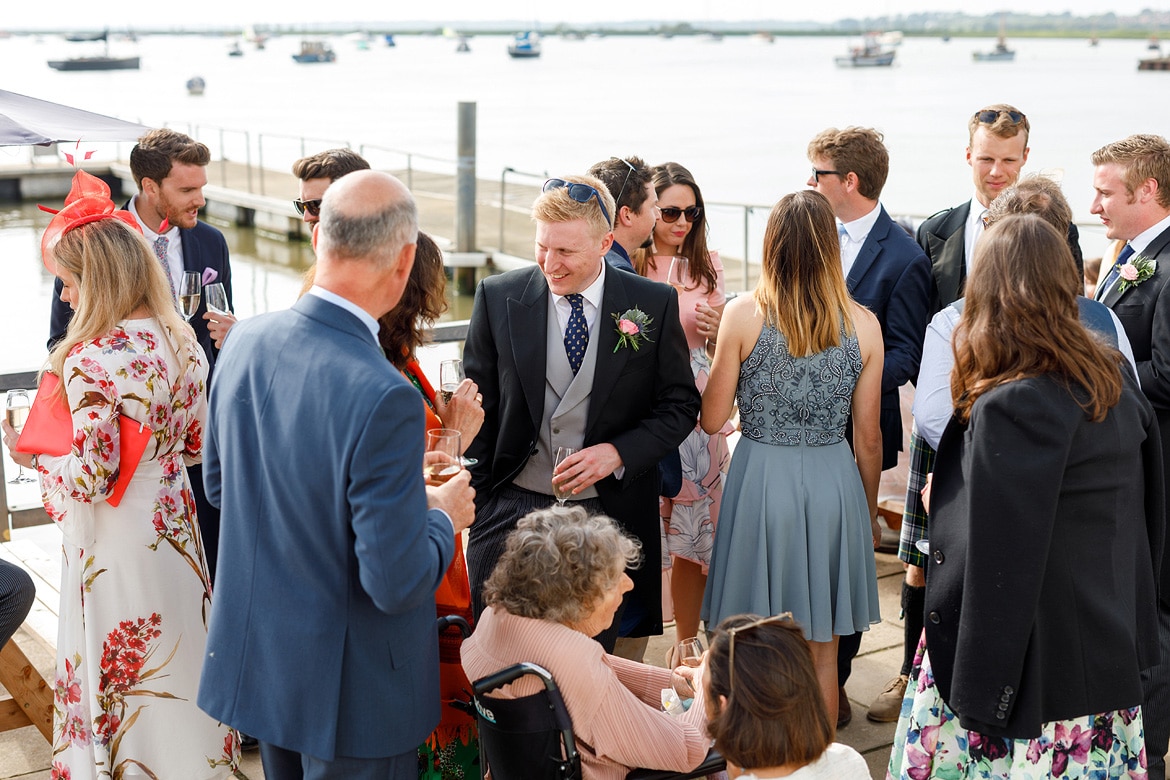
<point>1154,63</point>
<point>870,54</point>
<point>525,45</point>
<point>196,85</point>
<point>315,51</point>
<point>85,37</point>
<point>389,39</point>
<point>96,62</point>
<point>1001,52</point>
<point>891,38</point>
<point>234,50</point>
<point>463,46</point>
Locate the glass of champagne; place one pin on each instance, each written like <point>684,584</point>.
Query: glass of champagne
<point>216,297</point>
<point>679,273</point>
<point>189,294</point>
<point>690,652</point>
<point>561,495</point>
<point>449,443</point>
<point>16,409</point>
<point>450,376</point>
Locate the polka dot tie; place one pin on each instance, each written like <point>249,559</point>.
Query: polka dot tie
<point>576,331</point>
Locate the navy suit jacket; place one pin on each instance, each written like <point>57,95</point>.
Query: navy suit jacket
<point>891,278</point>
<point>203,247</point>
<point>643,401</point>
<point>322,635</point>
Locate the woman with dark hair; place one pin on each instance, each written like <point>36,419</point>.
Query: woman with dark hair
<point>690,517</point>
<point>135,592</point>
<point>764,705</point>
<point>557,585</point>
<point>1047,523</point>
<point>799,520</point>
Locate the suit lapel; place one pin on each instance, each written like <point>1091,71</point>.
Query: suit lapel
<point>947,247</point>
<point>527,322</point>
<point>192,260</point>
<point>609,367</point>
<point>869,251</point>
<point>1156,247</point>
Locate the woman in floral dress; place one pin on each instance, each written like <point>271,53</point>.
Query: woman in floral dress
<point>135,594</point>
<point>689,518</point>
<point>1045,529</point>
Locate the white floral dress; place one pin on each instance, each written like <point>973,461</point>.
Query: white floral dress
<point>135,593</point>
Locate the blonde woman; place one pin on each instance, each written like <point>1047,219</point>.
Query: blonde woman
<point>799,517</point>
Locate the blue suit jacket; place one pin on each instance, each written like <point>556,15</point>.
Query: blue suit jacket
<point>891,278</point>
<point>322,637</point>
<point>203,247</point>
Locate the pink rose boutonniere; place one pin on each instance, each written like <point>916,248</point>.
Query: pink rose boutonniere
<point>633,328</point>
<point>1136,271</point>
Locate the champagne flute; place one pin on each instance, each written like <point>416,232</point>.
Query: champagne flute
<point>216,297</point>
<point>559,493</point>
<point>450,376</point>
<point>680,271</point>
<point>16,409</point>
<point>448,442</point>
<point>189,294</point>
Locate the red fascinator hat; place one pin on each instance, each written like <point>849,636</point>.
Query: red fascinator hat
<point>88,201</point>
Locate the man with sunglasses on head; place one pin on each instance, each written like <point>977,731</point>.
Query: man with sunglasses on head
<point>572,353</point>
<point>630,182</point>
<point>889,274</point>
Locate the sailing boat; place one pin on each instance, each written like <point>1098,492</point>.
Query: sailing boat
<point>1001,53</point>
<point>97,62</point>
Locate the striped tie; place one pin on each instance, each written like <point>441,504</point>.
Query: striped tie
<point>576,332</point>
<point>160,251</point>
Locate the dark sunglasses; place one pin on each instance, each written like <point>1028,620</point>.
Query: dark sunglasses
<point>671,214</point>
<point>783,618</point>
<point>617,202</point>
<point>582,193</point>
<point>817,174</point>
<point>311,206</point>
<point>988,116</point>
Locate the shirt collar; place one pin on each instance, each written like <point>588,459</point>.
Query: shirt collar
<point>858,229</point>
<point>593,292</point>
<point>1146,237</point>
<point>351,307</point>
<point>172,232</point>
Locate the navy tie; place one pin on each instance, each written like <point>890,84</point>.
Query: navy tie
<point>576,332</point>
<point>1111,277</point>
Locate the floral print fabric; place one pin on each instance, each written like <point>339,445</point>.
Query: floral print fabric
<point>135,591</point>
<point>930,743</point>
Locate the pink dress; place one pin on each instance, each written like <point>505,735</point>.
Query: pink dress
<point>690,531</point>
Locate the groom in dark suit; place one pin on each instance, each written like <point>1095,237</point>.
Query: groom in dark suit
<point>170,169</point>
<point>554,351</point>
<point>889,274</point>
<point>1131,180</point>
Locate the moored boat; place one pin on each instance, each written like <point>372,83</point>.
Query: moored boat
<point>525,45</point>
<point>315,51</point>
<point>870,54</point>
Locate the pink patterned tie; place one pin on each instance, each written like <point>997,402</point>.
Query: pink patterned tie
<point>160,251</point>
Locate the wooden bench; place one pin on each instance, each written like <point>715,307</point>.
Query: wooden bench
<point>30,700</point>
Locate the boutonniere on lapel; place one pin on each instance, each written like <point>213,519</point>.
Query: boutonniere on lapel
<point>1136,271</point>
<point>633,328</point>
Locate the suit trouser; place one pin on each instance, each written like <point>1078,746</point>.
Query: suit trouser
<point>282,764</point>
<point>17,593</point>
<point>1156,707</point>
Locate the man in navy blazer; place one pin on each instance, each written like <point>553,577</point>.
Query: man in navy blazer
<point>322,640</point>
<point>170,169</point>
<point>887,273</point>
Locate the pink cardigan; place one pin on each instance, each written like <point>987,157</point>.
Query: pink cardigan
<point>615,704</point>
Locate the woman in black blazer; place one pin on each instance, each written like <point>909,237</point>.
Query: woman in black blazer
<point>1046,533</point>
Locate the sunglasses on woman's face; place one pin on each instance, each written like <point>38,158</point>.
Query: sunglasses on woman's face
<point>671,214</point>
<point>311,206</point>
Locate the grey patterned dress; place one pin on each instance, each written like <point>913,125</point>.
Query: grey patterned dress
<point>794,526</point>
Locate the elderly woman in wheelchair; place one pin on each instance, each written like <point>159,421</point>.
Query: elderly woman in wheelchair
<point>560,582</point>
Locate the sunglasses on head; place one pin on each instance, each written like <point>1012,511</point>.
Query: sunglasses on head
<point>988,116</point>
<point>617,202</point>
<point>582,193</point>
<point>671,214</point>
<point>311,206</point>
<point>782,618</point>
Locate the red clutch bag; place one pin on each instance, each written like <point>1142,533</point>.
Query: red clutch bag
<point>49,431</point>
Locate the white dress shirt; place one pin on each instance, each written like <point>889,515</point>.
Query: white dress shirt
<point>854,238</point>
<point>175,266</point>
<point>591,305</point>
<point>973,230</point>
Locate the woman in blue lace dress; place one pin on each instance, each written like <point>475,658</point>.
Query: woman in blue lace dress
<point>799,517</point>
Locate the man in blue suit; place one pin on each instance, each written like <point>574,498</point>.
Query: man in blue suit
<point>887,272</point>
<point>170,170</point>
<point>322,640</point>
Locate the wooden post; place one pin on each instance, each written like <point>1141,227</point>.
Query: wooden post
<point>32,698</point>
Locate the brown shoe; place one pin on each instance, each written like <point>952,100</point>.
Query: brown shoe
<point>844,710</point>
<point>888,705</point>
